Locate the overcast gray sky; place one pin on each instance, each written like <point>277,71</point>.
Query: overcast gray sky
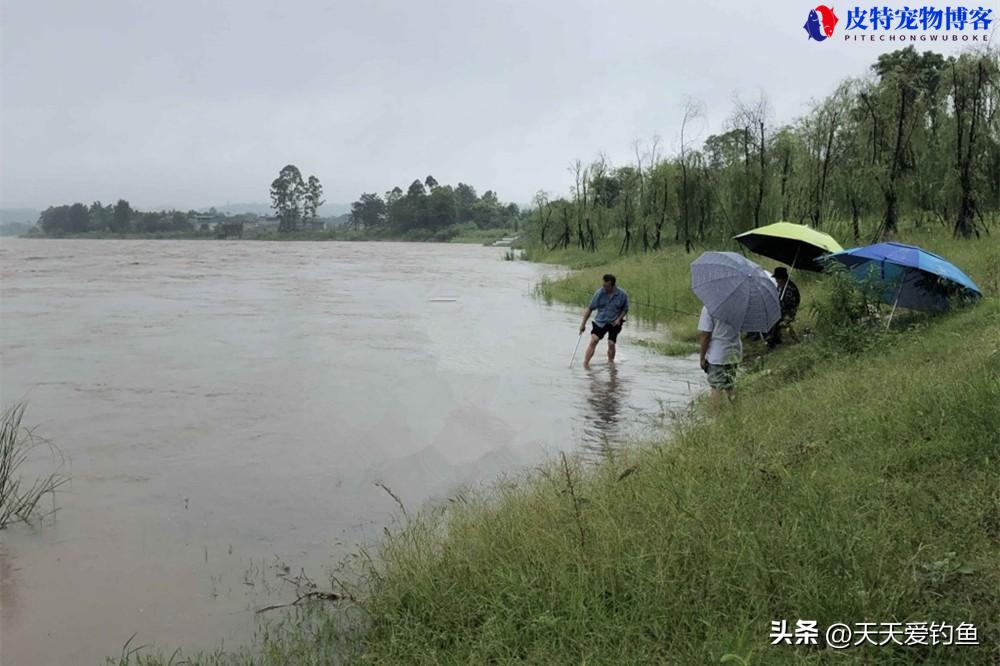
<point>189,103</point>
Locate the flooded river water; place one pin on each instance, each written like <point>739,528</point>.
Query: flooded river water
<point>226,409</point>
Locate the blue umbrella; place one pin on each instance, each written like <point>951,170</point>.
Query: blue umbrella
<point>914,278</point>
<point>736,290</point>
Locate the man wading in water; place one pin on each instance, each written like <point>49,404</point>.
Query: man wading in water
<point>611,304</point>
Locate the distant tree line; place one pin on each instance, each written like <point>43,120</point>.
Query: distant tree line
<point>122,218</point>
<point>119,218</point>
<point>918,139</point>
<point>429,209</point>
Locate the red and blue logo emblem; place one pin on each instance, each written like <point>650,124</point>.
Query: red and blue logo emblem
<point>820,23</point>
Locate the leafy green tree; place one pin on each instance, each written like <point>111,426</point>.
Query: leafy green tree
<point>853,185</point>
<point>78,219</point>
<point>411,210</point>
<point>180,221</point>
<point>441,209</point>
<point>897,106</point>
<point>313,198</point>
<point>487,212</point>
<point>54,220</point>
<point>122,216</point>
<point>101,217</point>
<point>416,190</point>
<point>369,212</point>
<point>392,209</point>
<point>465,201</point>
<point>288,193</point>
<point>148,222</point>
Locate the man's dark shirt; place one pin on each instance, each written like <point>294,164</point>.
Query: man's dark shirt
<point>789,301</point>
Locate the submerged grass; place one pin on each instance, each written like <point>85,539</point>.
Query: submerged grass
<point>18,500</point>
<point>310,635</point>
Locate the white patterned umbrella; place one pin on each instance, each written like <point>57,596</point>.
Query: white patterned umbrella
<point>736,290</point>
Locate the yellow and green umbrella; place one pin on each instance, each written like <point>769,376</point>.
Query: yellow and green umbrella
<point>797,245</point>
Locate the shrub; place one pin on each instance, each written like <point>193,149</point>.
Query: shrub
<point>849,314</point>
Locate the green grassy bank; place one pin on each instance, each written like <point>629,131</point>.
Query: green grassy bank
<point>840,487</point>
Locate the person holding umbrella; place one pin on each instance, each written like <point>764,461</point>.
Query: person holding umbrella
<point>800,247</point>
<point>788,294</point>
<point>719,354</point>
<point>797,245</point>
<point>738,295</point>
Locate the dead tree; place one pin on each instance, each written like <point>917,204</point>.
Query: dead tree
<point>966,125</point>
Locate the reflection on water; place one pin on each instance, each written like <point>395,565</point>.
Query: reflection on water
<point>226,408</point>
<point>604,400</point>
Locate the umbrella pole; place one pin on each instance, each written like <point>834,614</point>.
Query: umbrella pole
<point>794,260</point>
<point>894,303</point>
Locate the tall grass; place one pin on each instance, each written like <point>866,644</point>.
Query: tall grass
<point>854,488</point>
<point>19,501</point>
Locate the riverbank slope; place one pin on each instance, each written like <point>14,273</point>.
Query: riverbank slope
<point>843,486</point>
<point>846,485</point>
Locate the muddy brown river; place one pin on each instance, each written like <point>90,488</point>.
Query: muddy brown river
<point>225,410</point>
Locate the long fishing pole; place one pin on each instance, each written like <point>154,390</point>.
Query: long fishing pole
<point>575,349</point>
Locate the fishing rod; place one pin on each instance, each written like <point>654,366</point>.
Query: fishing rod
<point>573,357</point>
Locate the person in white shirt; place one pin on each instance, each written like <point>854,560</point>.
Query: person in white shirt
<point>720,354</point>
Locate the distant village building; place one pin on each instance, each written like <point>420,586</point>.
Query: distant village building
<point>206,222</point>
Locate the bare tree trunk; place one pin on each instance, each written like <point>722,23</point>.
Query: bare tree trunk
<point>965,224</point>
<point>626,224</point>
<point>746,169</point>
<point>875,127</point>
<point>855,220</point>
<point>703,217</point>
<point>759,204</point>
<point>691,111</point>
<point>824,172</point>
<point>890,222</point>
<point>785,170</point>
<point>663,213</point>
<point>544,216</point>
<point>638,171</point>
<point>566,234</point>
